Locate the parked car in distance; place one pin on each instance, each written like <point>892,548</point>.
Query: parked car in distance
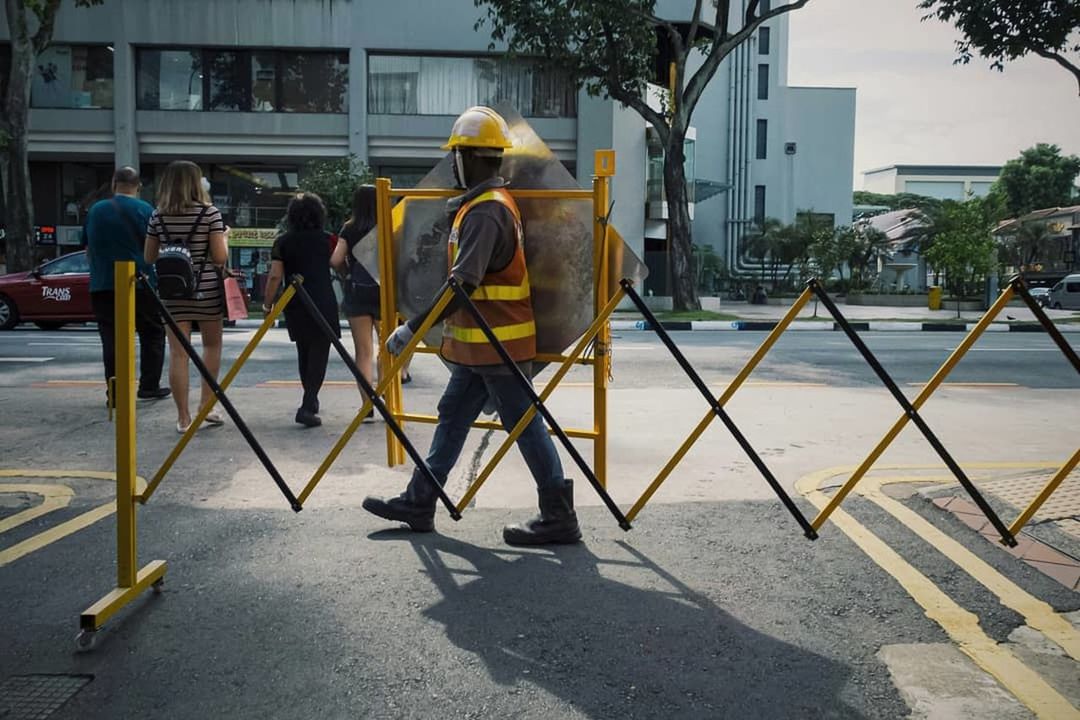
<point>1066,294</point>
<point>1041,295</point>
<point>51,295</point>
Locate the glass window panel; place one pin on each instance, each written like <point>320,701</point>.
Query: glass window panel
<point>169,80</point>
<point>253,196</point>
<point>67,265</point>
<point>314,82</point>
<point>759,204</point>
<point>229,87</point>
<point>410,85</point>
<point>762,82</point>
<point>762,139</point>
<point>764,40</point>
<point>263,82</point>
<point>73,76</point>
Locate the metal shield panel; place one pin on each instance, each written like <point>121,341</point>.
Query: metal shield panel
<point>558,243</point>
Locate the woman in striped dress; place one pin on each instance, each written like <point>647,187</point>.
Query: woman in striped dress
<point>183,202</point>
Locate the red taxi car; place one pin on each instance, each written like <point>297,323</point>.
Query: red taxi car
<point>54,293</point>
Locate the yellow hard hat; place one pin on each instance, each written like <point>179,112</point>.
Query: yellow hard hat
<point>479,127</point>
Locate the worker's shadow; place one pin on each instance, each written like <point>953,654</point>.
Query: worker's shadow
<point>655,648</point>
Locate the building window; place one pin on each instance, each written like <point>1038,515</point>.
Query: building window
<point>763,39</point>
<point>228,81</point>
<point>169,80</point>
<point>762,139</point>
<point>242,80</point>
<point>759,205</point>
<point>763,7</point>
<point>5,68</point>
<point>314,82</point>
<point>763,82</point>
<point>430,85</point>
<point>72,76</point>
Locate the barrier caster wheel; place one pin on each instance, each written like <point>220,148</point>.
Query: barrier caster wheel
<point>85,640</point>
<point>158,586</point>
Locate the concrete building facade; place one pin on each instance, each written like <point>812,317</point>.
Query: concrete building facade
<point>253,89</point>
<point>944,182</point>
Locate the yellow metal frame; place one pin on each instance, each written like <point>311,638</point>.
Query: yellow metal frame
<point>130,581</point>
<point>726,396</point>
<point>1045,493</point>
<point>267,323</point>
<point>928,390</point>
<point>599,333</point>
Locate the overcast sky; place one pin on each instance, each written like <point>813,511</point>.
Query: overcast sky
<point>913,105</point>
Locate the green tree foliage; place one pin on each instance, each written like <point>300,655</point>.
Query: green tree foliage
<point>1004,30</point>
<point>610,48</point>
<point>30,25</point>
<point>334,181</point>
<point>1040,178</point>
<point>963,250</point>
<point>899,201</point>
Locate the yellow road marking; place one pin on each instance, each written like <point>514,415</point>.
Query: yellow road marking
<point>971,384</point>
<point>53,497</point>
<point>1037,614</point>
<point>960,625</point>
<point>64,529</point>
<point>68,383</point>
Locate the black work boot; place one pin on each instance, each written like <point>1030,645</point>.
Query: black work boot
<point>420,516</point>
<point>556,524</point>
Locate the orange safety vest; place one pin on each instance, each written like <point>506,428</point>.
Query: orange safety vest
<point>503,298</point>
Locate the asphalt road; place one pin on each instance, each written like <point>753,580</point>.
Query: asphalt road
<point>711,607</point>
<point>1025,359</point>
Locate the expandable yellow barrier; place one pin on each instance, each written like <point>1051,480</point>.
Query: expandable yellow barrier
<point>130,583</point>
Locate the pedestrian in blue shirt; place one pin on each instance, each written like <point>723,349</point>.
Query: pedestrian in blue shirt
<point>116,231</point>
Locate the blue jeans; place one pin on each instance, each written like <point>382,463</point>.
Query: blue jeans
<point>459,407</point>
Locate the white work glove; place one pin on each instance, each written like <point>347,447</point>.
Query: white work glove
<point>399,339</point>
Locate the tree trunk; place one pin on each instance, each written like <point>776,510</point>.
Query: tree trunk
<point>14,153</point>
<point>683,290</point>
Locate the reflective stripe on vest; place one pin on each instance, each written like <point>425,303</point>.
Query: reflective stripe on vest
<point>503,298</point>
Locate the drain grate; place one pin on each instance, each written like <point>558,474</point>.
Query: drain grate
<point>36,697</point>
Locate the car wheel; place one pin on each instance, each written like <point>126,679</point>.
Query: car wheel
<point>9,314</point>
<point>1056,306</point>
<point>48,325</point>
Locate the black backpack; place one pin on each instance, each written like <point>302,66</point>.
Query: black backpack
<point>177,276</point>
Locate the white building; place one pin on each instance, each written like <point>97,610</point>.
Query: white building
<point>252,89</point>
<point>944,182</point>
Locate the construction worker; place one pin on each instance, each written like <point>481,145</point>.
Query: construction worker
<point>486,255</point>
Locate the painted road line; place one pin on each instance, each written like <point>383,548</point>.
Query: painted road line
<point>68,383</point>
<point>53,497</point>
<point>25,359</point>
<point>43,539</point>
<point>1009,350</point>
<point>970,384</point>
<point>1037,614</point>
<point>960,625</point>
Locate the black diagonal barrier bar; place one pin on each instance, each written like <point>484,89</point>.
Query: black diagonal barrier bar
<point>1006,536</point>
<point>225,402</point>
<point>526,385</point>
<point>1021,289</point>
<point>388,416</point>
<point>656,326</point>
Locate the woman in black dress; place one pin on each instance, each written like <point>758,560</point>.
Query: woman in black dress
<point>360,300</point>
<point>304,250</point>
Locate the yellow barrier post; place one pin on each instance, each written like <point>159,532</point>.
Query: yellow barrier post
<point>395,452</point>
<point>603,169</point>
<point>129,582</point>
<point>729,391</point>
<point>928,390</point>
<point>1045,493</point>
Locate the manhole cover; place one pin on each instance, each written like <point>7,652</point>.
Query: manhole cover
<point>36,697</point>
